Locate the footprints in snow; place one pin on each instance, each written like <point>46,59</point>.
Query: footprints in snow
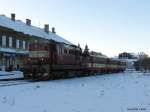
<point>6,100</point>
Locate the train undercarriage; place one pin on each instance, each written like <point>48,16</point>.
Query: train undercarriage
<point>63,72</point>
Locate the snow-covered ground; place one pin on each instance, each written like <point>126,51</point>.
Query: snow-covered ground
<point>122,92</point>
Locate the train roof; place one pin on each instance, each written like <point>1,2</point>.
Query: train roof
<point>20,26</point>
<point>96,54</point>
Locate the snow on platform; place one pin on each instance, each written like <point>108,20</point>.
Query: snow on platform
<point>3,73</point>
<point>10,75</point>
<point>123,92</point>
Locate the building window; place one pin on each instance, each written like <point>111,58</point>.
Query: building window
<point>24,44</point>
<point>20,44</point>
<point>10,41</point>
<point>4,41</point>
<point>14,42</point>
<point>7,41</point>
<point>17,44</point>
<point>27,45</point>
<point>0,40</point>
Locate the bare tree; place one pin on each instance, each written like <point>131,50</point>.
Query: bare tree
<point>142,55</point>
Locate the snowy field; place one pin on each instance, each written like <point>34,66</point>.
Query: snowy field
<point>123,92</point>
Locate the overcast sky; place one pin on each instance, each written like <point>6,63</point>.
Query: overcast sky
<point>107,26</point>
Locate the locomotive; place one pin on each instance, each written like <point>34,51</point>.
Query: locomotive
<point>54,60</point>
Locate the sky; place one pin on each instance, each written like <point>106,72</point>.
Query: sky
<point>106,26</point>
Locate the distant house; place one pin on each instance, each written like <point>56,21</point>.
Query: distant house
<point>126,55</point>
<point>15,37</point>
<point>129,58</point>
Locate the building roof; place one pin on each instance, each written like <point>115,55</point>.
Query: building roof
<point>20,26</point>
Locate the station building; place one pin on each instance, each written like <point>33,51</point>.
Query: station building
<point>15,37</point>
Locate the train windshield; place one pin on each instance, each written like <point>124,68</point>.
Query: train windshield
<point>38,50</point>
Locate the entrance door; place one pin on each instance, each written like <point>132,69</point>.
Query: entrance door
<point>8,62</point>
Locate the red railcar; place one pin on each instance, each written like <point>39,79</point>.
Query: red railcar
<point>58,60</point>
<point>52,60</point>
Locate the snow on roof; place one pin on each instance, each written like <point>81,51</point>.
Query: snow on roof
<point>20,26</point>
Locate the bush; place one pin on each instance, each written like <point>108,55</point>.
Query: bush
<point>143,64</point>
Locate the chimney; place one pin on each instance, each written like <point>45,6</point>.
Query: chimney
<point>13,16</point>
<point>46,28</point>
<point>53,30</point>
<point>28,22</point>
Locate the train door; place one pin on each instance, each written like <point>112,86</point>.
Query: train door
<point>8,62</point>
<point>53,55</point>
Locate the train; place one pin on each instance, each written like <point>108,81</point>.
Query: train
<point>55,60</point>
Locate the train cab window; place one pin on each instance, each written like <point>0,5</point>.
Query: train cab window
<point>60,50</point>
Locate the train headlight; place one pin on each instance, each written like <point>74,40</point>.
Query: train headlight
<point>29,59</point>
<point>42,59</point>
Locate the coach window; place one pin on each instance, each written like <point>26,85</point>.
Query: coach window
<point>4,41</point>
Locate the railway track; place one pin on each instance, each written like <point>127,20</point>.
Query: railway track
<point>14,82</point>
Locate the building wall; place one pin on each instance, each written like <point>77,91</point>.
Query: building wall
<point>12,48</point>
